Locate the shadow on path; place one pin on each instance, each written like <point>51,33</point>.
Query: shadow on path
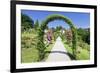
<point>70,55</point>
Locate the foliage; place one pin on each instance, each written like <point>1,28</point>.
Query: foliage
<point>29,55</point>
<point>40,44</point>
<point>58,28</point>
<point>84,35</point>
<point>84,45</point>
<point>75,40</point>
<point>68,34</point>
<point>28,46</point>
<point>48,49</point>
<point>36,25</point>
<point>82,53</point>
<point>56,32</point>
<point>58,17</point>
<point>26,22</point>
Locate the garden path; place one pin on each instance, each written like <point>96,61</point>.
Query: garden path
<point>58,52</point>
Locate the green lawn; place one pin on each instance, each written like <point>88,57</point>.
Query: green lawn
<point>83,55</point>
<point>29,55</point>
<point>69,49</point>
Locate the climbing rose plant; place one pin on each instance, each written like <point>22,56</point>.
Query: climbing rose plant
<point>41,46</point>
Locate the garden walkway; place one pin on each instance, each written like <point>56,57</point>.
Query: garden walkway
<point>58,52</point>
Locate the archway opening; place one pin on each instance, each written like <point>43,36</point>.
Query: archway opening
<point>41,45</point>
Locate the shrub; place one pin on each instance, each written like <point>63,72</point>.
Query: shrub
<point>84,45</point>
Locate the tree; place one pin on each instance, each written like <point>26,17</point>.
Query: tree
<point>84,35</point>
<point>53,29</point>
<point>36,25</point>
<point>58,28</point>
<point>26,22</point>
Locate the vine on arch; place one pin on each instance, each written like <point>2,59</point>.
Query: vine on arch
<point>41,46</point>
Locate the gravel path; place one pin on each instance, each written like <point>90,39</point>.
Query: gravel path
<point>58,52</point>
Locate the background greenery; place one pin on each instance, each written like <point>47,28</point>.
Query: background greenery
<point>33,50</point>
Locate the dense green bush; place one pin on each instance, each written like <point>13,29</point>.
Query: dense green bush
<point>84,45</point>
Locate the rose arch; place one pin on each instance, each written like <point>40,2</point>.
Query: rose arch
<point>41,46</point>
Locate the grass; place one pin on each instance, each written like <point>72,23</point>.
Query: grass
<point>48,49</point>
<point>29,55</point>
<point>69,49</point>
<point>83,54</point>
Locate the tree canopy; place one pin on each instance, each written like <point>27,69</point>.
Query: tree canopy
<point>26,22</point>
<point>84,35</point>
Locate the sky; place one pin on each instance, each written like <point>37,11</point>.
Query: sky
<point>79,19</point>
